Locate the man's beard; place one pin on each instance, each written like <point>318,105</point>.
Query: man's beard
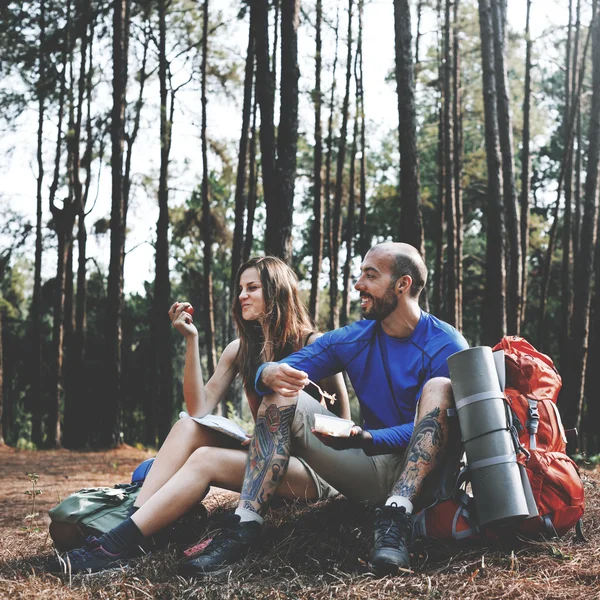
<point>380,307</point>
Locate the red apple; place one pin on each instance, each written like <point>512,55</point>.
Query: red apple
<point>189,310</point>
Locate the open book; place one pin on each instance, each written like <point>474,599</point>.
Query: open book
<point>220,424</point>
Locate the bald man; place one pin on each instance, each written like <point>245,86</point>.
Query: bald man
<point>406,456</point>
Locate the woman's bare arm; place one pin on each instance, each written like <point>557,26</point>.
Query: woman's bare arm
<point>201,399</point>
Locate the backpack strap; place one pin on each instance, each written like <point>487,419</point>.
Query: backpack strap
<point>579,531</point>
<point>533,422</point>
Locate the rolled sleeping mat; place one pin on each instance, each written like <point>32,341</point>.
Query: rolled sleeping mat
<point>484,423</point>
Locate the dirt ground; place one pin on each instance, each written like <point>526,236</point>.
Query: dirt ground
<point>307,552</point>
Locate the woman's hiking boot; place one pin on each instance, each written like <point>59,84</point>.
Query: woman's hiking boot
<point>227,547</point>
<point>392,533</point>
<point>92,557</point>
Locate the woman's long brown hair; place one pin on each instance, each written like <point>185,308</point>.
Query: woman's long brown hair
<point>280,332</point>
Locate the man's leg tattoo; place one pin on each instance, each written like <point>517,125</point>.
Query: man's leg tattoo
<point>422,454</point>
<point>268,457</point>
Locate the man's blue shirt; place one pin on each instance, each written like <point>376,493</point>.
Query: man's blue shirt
<point>387,396</point>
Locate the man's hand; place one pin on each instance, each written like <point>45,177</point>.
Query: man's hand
<point>358,438</point>
<point>283,379</point>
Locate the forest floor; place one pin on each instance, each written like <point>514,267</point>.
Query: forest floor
<point>312,552</point>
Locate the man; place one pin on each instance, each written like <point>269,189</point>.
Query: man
<point>396,361</point>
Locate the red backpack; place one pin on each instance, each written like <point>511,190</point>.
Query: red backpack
<point>532,387</point>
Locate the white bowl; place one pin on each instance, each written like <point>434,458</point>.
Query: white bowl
<point>333,426</point>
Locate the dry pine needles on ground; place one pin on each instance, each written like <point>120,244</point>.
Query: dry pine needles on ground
<point>312,552</point>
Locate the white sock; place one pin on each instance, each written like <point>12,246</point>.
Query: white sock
<point>400,501</point>
<point>248,515</point>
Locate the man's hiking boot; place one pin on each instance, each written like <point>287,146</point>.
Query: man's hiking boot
<point>392,533</point>
<point>90,558</point>
<point>227,547</point>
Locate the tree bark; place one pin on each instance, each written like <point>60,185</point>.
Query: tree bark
<point>577,184</point>
<point>74,414</point>
<point>584,271</point>
<point>411,224</point>
<point>525,165</point>
<point>513,256</point>
<point>63,221</point>
<point>346,272</point>
<point>363,242</point>
<point>209,316</point>
<point>328,161</point>
<point>317,229</point>
<point>253,176</point>
<point>265,95</point>
<point>36,402</point>
<point>440,222</point>
<point>278,235</point>
<point>451,300</point>
<point>336,213</point>
<point>110,417</point>
<point>494,302</point>
<point>240,183</point>
<point>162,391</point>
<point>457,119</point>
<point>566,291</point>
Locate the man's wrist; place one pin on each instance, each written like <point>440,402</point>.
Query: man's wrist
<point>259,386</point>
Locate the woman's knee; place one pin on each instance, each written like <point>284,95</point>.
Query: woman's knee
<point>202,459</point>
<point>184,427</point>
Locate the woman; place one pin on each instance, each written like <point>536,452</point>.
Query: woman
<point>272,322</point>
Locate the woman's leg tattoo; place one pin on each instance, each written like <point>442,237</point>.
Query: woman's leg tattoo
<point>422,453</point>
<point>268,457</point>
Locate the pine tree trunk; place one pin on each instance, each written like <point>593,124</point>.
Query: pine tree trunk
<point>440,222</point>
<point>74,419</point>
<point>363,242</point>
<point>574,397</point>
<point>253,176</point>
<point>440,229</point>
<point>162,400</point>
<point>317,229</point>
<point>35,404</point>
<point>240,183</point>
<point>209,316</point>
<point>451,301</point>
<point>336,213</point>
<point>566,291</point>
<point>494,302</point>
<point>457,118</point>
<point>278,237</point>
<point>110,417</point>
<point>328,161</point>
<point>525,166</point>
<point>345,311</point>
<point>265,95</point>
<point>419,34</point>
<point>513,256</point>
<point>411,225</point>
<point>63,222</point>
<point>577,183</point>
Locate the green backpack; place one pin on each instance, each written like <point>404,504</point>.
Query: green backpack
<point>91,511</point>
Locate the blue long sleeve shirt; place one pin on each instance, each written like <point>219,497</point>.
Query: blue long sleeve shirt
<point>388,374</point>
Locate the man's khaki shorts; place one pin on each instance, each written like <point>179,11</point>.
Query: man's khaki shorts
<point>354,474</point>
